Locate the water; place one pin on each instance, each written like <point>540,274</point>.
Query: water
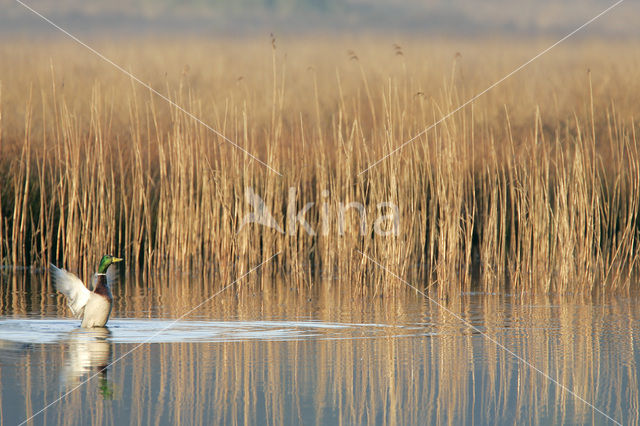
<point>267,353</point>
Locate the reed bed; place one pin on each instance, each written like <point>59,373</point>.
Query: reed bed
<point>532,188</point>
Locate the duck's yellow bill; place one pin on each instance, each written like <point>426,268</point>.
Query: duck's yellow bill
<point>117,259</point>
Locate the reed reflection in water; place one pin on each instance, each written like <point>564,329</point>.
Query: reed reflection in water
<point>270,353</point>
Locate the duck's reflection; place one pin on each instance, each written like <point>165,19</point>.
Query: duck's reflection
<point>89,352</point>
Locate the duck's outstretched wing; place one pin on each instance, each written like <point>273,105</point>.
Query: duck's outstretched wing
<point>72,287</point>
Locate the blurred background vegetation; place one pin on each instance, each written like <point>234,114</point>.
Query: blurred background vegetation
<point>453,17</point>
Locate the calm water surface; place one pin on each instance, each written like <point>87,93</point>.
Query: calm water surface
<point>269,353</point>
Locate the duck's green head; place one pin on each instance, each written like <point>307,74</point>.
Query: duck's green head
<point>106,261</point>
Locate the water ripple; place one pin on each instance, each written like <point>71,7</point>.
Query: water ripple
<point>139,330</point>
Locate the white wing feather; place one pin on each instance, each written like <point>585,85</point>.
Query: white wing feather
<point>72,287</point>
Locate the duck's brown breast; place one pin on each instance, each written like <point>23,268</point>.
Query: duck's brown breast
<point>102,287</point>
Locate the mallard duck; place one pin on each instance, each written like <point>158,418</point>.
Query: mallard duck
<point>92,305</point>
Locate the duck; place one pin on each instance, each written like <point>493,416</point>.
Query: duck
<point>93,304</point>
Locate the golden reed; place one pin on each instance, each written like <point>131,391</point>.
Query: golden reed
<point>533,187</point>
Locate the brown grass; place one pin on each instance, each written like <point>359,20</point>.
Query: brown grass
<point>534,187</point>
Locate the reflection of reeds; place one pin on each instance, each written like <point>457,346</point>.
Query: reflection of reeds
<point>536,184</point>
<point>448,375</point>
